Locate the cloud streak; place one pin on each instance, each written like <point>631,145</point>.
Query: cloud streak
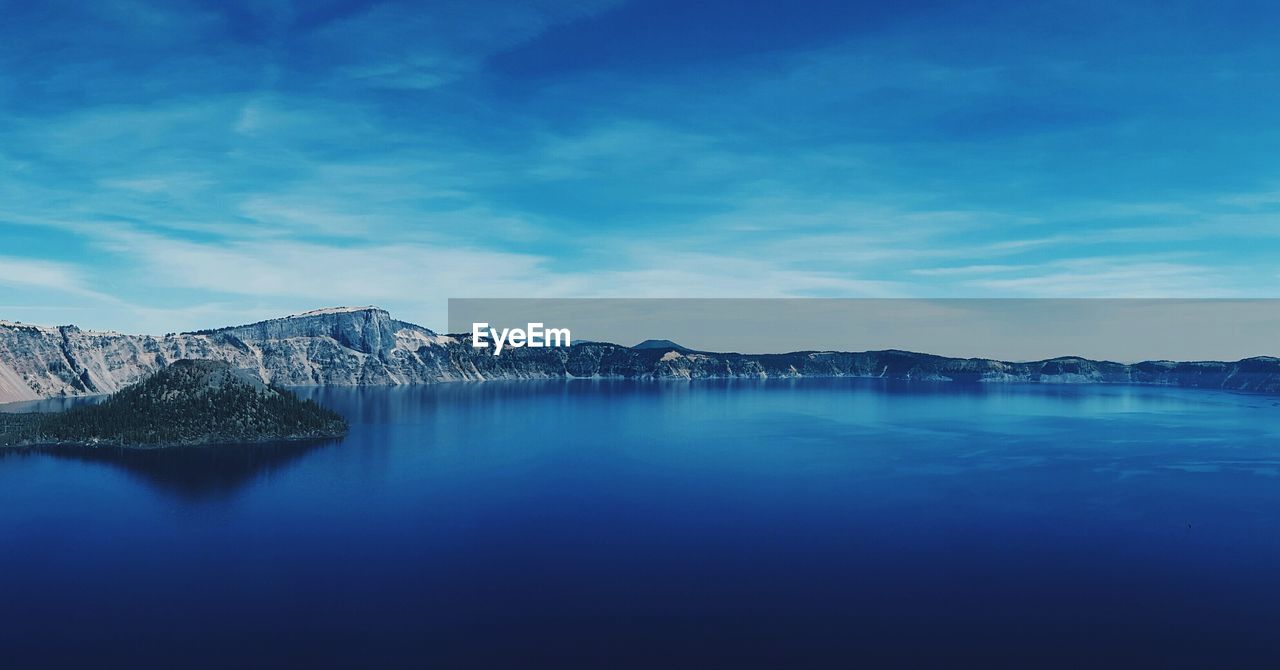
<point>262,157</point>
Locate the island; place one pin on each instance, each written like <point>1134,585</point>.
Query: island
<point>187,403</point>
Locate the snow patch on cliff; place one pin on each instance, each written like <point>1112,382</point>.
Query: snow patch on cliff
<point>325,311</point>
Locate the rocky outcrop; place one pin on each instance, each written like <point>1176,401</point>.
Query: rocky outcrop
<point>341,346</point>
<point>366,346</point>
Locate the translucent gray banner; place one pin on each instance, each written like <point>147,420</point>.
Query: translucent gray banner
<point>1123,330</point>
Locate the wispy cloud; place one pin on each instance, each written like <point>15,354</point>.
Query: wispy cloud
<point>247,158</point>
<point>1111,278</point>
<point>966,270</point>
<point>25,272</point>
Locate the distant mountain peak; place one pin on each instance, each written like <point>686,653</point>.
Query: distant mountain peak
<point>666,345</point>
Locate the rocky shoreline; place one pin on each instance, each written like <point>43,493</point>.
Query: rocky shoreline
<point>366,347</point>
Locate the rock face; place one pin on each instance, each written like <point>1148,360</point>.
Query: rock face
<point>365,346</point>
<point>337,346</point>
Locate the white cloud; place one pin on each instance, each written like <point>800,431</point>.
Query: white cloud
<point>27,272</point>
<point>1111,277</point>
<point>421,46</point>
<point>966,270</point>
<point>415,280</point>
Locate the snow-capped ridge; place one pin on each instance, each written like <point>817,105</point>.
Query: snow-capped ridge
<point>336,310</point>
<point>31,326</point>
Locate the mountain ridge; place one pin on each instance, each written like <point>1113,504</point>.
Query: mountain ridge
<point>665,345</point>
<point>366,346</point>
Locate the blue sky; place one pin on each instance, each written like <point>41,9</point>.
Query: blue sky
<point>175,165</point>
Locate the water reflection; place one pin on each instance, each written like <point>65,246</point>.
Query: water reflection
<point>191,473</point>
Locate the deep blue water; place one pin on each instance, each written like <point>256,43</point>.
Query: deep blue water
<point>657,524</point>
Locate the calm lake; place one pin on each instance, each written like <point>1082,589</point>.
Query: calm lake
<point>658,524</point>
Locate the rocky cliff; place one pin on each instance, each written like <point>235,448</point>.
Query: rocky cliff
<point>365,346</point>
<point>335,346</point>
